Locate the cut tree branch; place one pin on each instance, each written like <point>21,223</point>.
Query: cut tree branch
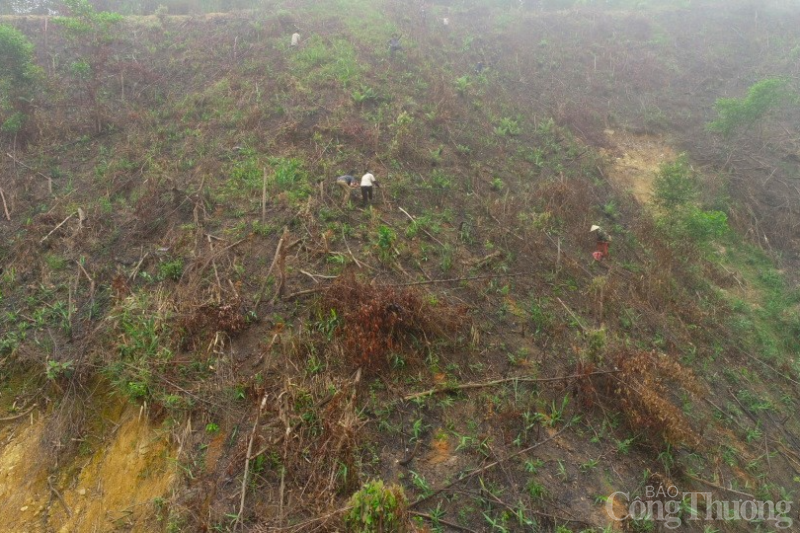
<point>482,384</point>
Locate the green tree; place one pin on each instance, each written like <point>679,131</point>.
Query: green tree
<point>737,113</point>
<point>92,32</point>
<point>86,21</point>
<point>17,75</point>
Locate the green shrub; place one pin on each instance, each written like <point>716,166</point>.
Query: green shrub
<point>705,226</point>
<point>290,177</point>
<point>385,242</point>
<point>17,53</point>
<point>507,127</point>
<point>676,189</point>
<point>377,508</point>
<point>246,172</point>
<point>364,94</point>
<point>171,269</point>
<point>675,184</point>
<point>57,369</point>
<point>14,123</point>
<point>462,84</point>
<point>321,61</point>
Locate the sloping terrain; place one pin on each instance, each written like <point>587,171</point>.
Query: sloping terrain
<point>176,242</point>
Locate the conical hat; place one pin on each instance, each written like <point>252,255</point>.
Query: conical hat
<point>594,228</point>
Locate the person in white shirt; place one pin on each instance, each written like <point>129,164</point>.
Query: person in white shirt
<point>295,39</point>
<point>367,181</point>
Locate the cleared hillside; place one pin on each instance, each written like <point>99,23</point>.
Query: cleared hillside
<point>181,278</point>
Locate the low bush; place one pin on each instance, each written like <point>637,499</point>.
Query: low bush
<point>378,508</point>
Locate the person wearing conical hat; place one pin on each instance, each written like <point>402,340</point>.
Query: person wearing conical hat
<point>603,242</point>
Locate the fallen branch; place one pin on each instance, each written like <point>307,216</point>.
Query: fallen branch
<point>784,376</point>
<point>88,277</point>
<point>20,163</point>
<point>56,228</point>
<point>428,282</point>
<point>482,384</point>
<point>214,255</point>
<point>572,314</point>
<point>470,278</point>
<point>302,293</point>
<point>136,268</point>
<point>247,462</point>
<point>487,467</point>
<point>17,417</point>
<point>744,409</point>
<point>358,263</point>
<point>423,229</point>
<point>732,491</point>
<point>302,525</point>
<point>58,495</point>
<point>554,518</point>
<point>5,207</point>
<point>315,276</point>
<point>266,351</point>
<point>478,263</point>
<point>264,197</point>
<point>310,275</point>
<point>271,267</point>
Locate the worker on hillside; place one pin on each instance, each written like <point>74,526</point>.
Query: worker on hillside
<point>394,45</point>
<point>367,181</point>
<point>347,183</point>
<point>295,39</point>
<point>603,242</point>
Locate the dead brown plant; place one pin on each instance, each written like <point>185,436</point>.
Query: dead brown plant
<point>377,321</point>
<point>640,390</point>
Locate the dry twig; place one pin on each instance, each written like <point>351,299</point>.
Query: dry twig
<point>5,207</point>
<point>247,461</point>
<point>56,228</point>
<point>704,482</point>
<point>58,495</point>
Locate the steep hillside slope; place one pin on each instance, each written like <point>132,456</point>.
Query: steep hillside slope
<point>175,241</point>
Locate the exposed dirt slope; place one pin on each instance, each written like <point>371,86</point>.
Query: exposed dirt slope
<point>115,484</point>
<point>635,160</point>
